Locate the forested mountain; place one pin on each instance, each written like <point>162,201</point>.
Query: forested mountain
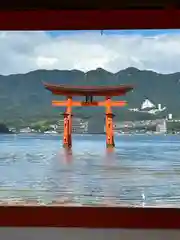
<point>23,95</point>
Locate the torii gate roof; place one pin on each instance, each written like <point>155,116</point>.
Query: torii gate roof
<point>88,90</point>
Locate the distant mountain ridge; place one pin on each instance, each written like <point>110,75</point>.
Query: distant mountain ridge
<point>24,96</point>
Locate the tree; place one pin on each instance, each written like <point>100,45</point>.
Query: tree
<point>3,128</point>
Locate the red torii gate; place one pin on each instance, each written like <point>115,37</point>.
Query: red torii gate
<point>88,93</point>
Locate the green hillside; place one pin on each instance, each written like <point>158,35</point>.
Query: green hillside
<point>23,97</point>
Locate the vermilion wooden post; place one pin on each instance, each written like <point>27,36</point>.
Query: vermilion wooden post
<point>109,124</point>
<point>67,139</point>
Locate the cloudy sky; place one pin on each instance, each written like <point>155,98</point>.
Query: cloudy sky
<point>21,52</point>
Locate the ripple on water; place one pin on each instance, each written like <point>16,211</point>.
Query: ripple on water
<point>141,169</point>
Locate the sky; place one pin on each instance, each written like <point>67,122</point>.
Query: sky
<point>157,50</point>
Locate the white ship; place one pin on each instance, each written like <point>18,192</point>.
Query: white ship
<point>148,107</point>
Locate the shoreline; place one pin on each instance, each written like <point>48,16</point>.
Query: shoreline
<point>68,203</point>
<point>84,134</point>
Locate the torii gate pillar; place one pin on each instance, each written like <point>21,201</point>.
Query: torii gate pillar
<point>109,130</point>
<point>67,136</point>
<point>109,125</point>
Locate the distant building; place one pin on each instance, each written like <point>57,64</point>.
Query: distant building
<point>78,125</point>
<point>148,107</point>
<point>170,116</point>
<point>158,125</point>
<point>161,127</point>
<point>147,104</point>
<point>25,130</point>
<point>95,125</point>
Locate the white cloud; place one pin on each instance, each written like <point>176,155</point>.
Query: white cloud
<point>46,61</point>
<point>21,52</point>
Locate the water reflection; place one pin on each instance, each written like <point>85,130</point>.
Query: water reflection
<point>68,156</point>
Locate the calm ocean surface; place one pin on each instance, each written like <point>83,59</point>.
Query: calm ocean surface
<point>143,170</point>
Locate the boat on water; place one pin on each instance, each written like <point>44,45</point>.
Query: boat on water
<point>50,132</point>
